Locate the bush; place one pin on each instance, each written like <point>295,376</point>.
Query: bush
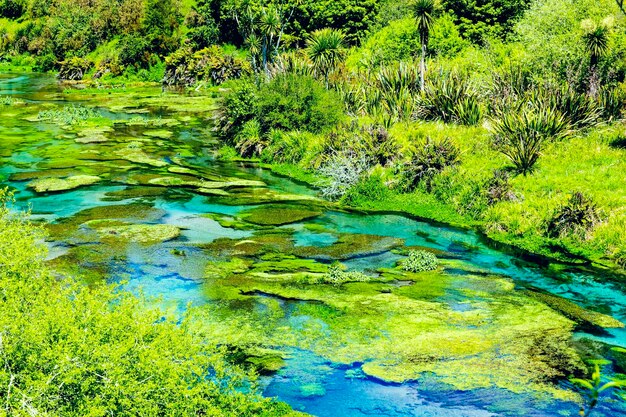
<point>450,98</point>
<point>342,172</point>
<point>498,188</point>
<point>249,141</point>
<point>427,160</point>
<point>577,217</point>
<point>521,134</point>
<point>238,105</point>
<point>69,349</point>
<point>286,147</point>
<point>212,64</point>
<point>419,261</point>
<point>74,68</point>
<point>295,102</point>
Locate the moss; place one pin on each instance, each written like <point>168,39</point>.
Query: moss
<point>139,233</point>
<point>44,185</point>
<point>161,134</point>
<point>133,153</point>
<point>231,222</point>
<point>575,312</point>
<point>276,215</point>
<point>222,269</point>
<point>134,192</point>
<point>348,246</point>
<point>254,246</point>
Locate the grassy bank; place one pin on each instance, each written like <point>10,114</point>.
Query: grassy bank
<point>591,162</point>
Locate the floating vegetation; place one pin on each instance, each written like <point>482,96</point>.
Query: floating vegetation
<point>420,260</point>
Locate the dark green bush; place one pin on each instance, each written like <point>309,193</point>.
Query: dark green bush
<point>12,9</point>
<point>577,217</point>
<point>237,106</point>
<point>428,159</point>
<point>295,102</point>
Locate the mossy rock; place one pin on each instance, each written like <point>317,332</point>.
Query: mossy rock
<point>575,312</point>
<point>45,185</point>
<point>254,246</point>
<point>266,364</point>
<point>277,215</point>
<point>223,269</point>
<point>134,154</point>
<point>139,233</point>
<point>47,173</point>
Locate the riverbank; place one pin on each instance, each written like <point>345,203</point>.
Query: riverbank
<point>520,223</point>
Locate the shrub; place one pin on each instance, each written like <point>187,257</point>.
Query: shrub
<point>498,188</point>
<point>342,171</point>
<point>237,106</point>
<point>211,64</point>
<point>612,102</point>
<point>295,102</point>
<point>286,147</point>
<point>419,261</point>
<point>450,98</point>
<point>520,135</point>
<point>427,160</point>
<point>249,140</point>
<point>74,68</point>
<point>577,217</point>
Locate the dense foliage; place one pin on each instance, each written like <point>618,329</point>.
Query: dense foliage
<point>72,350</point>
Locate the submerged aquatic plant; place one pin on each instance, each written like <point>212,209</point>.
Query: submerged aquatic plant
<point>593,388</point>
<point>419,261</point>
<point>68,115</point>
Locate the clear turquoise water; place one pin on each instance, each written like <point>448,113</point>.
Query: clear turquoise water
<point>308,382</point>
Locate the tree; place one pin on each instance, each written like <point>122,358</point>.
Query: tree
<point>478,20</point>
<point>202,23</point>
<point>424,13</point>
<point>596,38</point>
<point>325,48</point>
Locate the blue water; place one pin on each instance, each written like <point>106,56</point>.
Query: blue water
<point>308,382</point>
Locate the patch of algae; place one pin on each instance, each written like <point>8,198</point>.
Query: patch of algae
<point>134,153</point>
<point>349,246</point>
<point>500,337</point>
<point>69,228</point>
<point>575,312</point>
<point>44,185</point>
<point>277,215</point>
<point>139,233</point>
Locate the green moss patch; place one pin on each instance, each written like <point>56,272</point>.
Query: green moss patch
<point>348,246</point>
<point>575,312</point>
<point>44,185</point>
<point>139,233</point>
<point>277,215</point>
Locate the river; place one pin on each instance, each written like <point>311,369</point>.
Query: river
<point>128,180</point>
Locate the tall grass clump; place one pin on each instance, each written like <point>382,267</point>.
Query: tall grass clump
<point>428,159</point>
<point>450,98</point>
<point>521,134</point>
<point>577,217</point>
